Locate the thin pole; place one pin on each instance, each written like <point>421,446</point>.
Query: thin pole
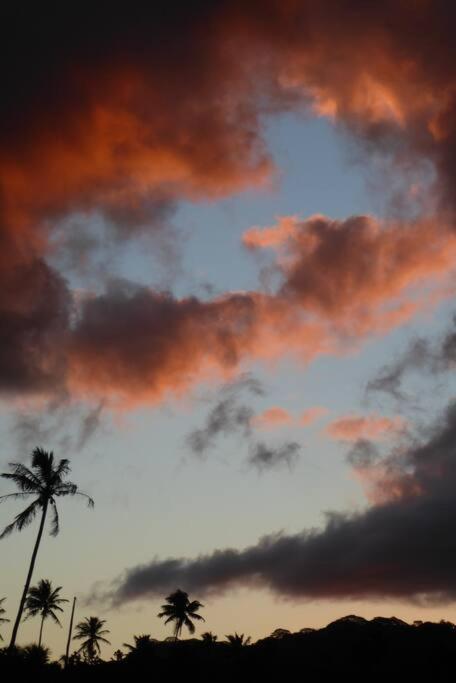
<point>67,654</point>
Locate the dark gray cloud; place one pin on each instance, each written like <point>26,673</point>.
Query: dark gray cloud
<point>422,355</point>
<point>224,419</point>
<point>363,453</point>
<point>60,425</point>
<point>263,456</point>
<point>403,548</point>
<point>232,416</point>
<point>90,424</point>
<point>229,415</point>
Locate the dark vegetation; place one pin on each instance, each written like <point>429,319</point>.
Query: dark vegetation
<point>380,649</point>
<point>383,649</point>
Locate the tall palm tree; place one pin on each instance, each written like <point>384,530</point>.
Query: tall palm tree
<point>180,610</point>
<point>2,611</point>
<point>45,482</point>
<point>45,601</point>
<point>91,629</point>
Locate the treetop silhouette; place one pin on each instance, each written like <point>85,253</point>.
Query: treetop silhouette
<point>91,629</point>
<point>44,600</point>
<point>179,609</point>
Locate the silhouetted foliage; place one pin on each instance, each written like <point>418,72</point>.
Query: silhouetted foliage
<point>3,619</point>
<point>45,482</point>
<point>92,632</point>
<point>208,637</point>
<point>179,609</point>
<point>379,650</point>
<point>43,600</point>
<point>36,656</point>
<point>143,646</point>
<point>237,641</point>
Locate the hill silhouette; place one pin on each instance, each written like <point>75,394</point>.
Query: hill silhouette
<point>380,649</point>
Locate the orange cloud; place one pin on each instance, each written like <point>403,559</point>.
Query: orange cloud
<point>272,417</point>
<point>311,415</point>
<point>156,107</point>
<point>355,427</point>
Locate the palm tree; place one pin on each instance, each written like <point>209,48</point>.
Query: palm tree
<point>44,481</point>
<point>237,641</point>
<point>45,601</point>
<point>92,630</point>
<point>2,611</point>
<point>209,637</point>
<point>180,610</point>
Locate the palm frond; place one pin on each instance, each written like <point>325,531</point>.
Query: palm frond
<point>14,496</point>
<point>189,624</point>
<point>22,520</point>
<point>90,501</point>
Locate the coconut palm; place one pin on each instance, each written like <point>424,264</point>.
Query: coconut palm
<point>237,640</point>
<point>180,610</point>
<point>45,482</point>
<point>91,629</point>
<point>45,601</point>
<point>2,611</point>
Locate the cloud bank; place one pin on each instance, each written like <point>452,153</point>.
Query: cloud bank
<point>402,547</point>
<point>89,124</point>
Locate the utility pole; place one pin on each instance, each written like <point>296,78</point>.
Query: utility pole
<point>67,654</point>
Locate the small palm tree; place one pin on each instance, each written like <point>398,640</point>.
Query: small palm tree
<point>238,640</point>
<point>180,610</point>
<point>209,637</point>
<point>2,611</point>
<point>45,601</point>
<point>44,481</point>
<point>91,629</point>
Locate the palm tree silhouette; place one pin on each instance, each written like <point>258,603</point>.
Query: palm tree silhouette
<point>238,640</point>
<point>92,630</point>
<point>45,601</point>
<point>2,611</point>
<point>44,481</point>
<point>180,610</point>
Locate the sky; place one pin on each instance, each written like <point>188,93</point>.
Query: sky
<point>226,295</point>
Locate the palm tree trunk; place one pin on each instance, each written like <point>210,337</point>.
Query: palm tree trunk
<point>70,630</point>
<point>41,631</point>
<point>28,579</point>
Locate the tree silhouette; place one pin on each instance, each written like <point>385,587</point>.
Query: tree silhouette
<point>238,641</point>
<point>45,601</point>
<point>143,645</point>
<point>209,637</point>
<point>44,481</point>
<point>2,611</point>
<point>180,610</point>
<point>92,630</point>
<point>36,656</point>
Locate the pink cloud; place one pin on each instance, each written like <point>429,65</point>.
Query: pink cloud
<point>354,427</point>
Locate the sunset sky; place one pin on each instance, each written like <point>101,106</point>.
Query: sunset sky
<point>227,271</point>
